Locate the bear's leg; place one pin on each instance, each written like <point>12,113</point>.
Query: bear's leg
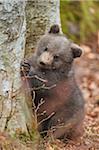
<point>57,133</point>
<point>66,133</point>
<point>70,129</point>
<point>76,132</point>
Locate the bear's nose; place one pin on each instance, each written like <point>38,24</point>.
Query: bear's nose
<point>45,59</point>
<point>42,63</point>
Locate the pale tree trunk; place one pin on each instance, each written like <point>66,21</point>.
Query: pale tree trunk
<point>21,25</point>
<point>40,15</point>
<point>12,47</point>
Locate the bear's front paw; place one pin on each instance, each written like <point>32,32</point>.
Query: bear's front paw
<point>24,68</point>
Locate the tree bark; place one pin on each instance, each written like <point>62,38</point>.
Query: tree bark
<point>40,15</point>
<point>21,25</point>
<point>13,117</point>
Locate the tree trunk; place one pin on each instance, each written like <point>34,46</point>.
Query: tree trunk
<point>40,15</point>
<point>21,25</point>
<point>12,47</point>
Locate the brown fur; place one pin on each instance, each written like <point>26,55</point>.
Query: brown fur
<point>64,104</point>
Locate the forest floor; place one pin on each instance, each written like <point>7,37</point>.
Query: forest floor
<point>87,76</point>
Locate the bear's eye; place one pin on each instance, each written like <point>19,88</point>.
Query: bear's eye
<point>45,49</point>
<point>56,57</point>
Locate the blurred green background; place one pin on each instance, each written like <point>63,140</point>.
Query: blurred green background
<point>80,19</point>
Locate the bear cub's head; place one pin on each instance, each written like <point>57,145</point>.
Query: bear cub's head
<point>55,51</point>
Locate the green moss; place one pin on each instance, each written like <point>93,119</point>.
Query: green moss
<point>83,15</point>
<point>33,136</point>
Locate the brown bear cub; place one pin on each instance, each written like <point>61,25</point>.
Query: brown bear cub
<point>50,74</point>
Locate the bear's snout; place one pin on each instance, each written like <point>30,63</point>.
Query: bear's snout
<point>45,59</point>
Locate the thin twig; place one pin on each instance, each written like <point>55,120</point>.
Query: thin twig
<point>38,88</point>
<point>35,76</point>
<point>43,87</point>
<point>40,79</point>
<point>41,103</point>
<point>41,114</point>
<point>46,118</point>
<point>33,99</point>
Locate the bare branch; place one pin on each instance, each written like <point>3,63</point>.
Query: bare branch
<point>41,114</point>
<point>46,118</point>
<point>35,76</point>
<point>41,103</point>
<point>40,79</point>
<point>43,87</point>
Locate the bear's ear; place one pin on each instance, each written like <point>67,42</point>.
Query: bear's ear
<point>54,29</point>
<point>76,50</point>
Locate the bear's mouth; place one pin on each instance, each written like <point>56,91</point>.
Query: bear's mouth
<point>46,67</point>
